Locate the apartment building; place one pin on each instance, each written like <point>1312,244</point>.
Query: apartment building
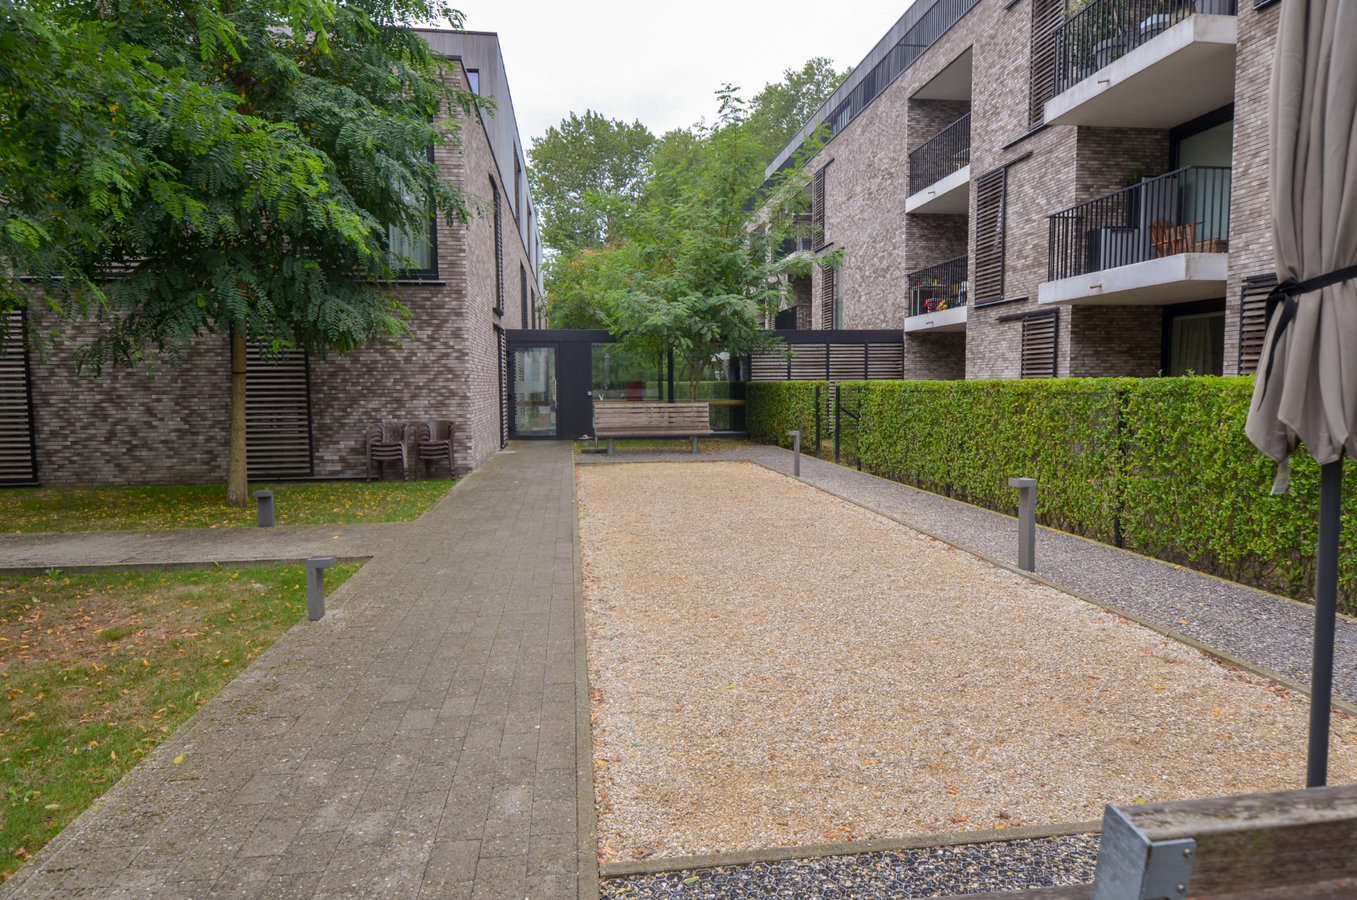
<point>307,417</point>
<point>1039,188</point>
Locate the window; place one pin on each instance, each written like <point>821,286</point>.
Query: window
<point>829,298</point>
<point>1194,338</point>
<point>523,297</point>
<point>536,311</point>
<point>990,193</point>
<point>518,188</point>
<point>414,253</point>
<point>1039,345</point>
<point>499,249</point>
<point>817,209</point>
<point>473,80</point>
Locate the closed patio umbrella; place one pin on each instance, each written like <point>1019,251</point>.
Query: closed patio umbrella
<point>1306,389</point>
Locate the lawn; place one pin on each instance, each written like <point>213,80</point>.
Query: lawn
<point>99,669</point>
<point>204,505</point>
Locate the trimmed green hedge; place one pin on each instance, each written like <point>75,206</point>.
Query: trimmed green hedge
<point>1160,466</point>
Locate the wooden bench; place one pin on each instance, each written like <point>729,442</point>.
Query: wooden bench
<point>615,419</point>
<point>1291,845</point>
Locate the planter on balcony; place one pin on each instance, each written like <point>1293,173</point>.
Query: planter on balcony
<point>1104,52</point>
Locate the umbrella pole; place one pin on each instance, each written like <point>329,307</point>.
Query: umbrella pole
<point>1326,605</point>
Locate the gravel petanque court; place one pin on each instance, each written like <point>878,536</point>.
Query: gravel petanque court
<point>771,666</point>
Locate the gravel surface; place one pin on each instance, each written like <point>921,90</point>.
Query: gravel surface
<point>772,666</point>
<point>1269,631</point>
<point>936,872</point>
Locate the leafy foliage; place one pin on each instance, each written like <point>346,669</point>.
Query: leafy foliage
<point>781,108</point>
<point>1158,465</point>
<point>257,152</point>
<point>584,173</point>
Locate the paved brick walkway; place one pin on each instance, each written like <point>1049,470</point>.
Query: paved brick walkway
<point>420,741</point>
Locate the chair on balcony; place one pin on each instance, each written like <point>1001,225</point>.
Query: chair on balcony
<point>433,441</point>
<point>1170,240</point>
<point>386,443</point>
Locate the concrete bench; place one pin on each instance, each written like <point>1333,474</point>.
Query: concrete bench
<point>1289,845</point>
<point>631,419</point>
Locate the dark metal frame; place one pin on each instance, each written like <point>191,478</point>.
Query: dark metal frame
<point>943,276</point>
<point>946,152</point>
<point>1115,229</point>
<point>1107,30</point>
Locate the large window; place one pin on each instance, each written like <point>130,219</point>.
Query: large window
<point>1194,338</point>
<point>413,253</point>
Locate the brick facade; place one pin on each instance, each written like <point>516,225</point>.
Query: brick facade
<point>1048,169</point>
<point>163,424</point>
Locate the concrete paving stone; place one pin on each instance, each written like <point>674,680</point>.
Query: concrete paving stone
<point>549,887</point>
<point>382,796</point>
<point>184,890</point>
<point>308,852</point>
<point>367,830</point>
<point>499,878</point>
<point>551,854</point>
<point>265,789</point>
<point>244,878</point>
<point>293,886</point>
<point>271,837</point>
<point>553,816</point>
<point>522,745</point>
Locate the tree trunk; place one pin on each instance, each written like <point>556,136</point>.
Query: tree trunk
<point>237,484</point>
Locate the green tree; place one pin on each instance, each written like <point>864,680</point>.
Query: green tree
<point>694,270</point>
<point>584,173</point>
<point>260,152</point>
<point>781,108</point>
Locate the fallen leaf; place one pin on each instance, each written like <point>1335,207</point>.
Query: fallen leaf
<point>959,820</point>
<point>178,760</point>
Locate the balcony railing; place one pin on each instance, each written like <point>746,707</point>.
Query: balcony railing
<point>946,152</point>
<point>939,287</point>
<point>1106,30</point>
<point>1185,211</point>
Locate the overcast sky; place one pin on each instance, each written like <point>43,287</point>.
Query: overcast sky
<point>663,62</point>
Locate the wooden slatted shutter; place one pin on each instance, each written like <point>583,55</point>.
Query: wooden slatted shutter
<point>523,296</point>
<point>1047,15</point>
<point>277,416</point>
<point>1253,320</point>
<point>499,249</point>
<point>1039,345</point>
<point>990,202</point>
<point>827,297</point>
<point>817,210</point>
<point>17,463</point>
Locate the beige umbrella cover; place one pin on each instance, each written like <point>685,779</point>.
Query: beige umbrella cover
<point>1307,383</point>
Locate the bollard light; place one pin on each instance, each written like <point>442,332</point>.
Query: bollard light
<point>265,499</point>
<point>315,585</point>
<point>796,453</point>
<point>1027,522</point>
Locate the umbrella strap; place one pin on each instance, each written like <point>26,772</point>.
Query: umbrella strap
<point>1284,295</point>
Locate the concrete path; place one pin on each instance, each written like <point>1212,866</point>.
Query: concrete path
<point>1271,632</point>
<point>23,554</point>
<point>428,738</point>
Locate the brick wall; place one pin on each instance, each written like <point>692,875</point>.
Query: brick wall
<point>1251,250</point>
<point>933,356</point>
<point>1112,341</point>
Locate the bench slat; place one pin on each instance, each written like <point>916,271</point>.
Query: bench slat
<point>621,418</point>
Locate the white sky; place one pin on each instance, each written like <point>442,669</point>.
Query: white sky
<point>663,62</point>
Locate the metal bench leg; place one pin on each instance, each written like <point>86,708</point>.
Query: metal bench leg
<point>694,443</point>
<point>610,446</point>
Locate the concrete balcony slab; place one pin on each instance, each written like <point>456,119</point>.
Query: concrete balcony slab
<point>1155,282</point>
<point>947,320</point>
<point>948,196</point>
<point>1183,73</point>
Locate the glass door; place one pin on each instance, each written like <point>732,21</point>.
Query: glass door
<point>534,391</point>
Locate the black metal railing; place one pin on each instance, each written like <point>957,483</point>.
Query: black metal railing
<point>946,152</point>
<point>939,287</point>
<point>1106,30</point>
<point>1185,211</point>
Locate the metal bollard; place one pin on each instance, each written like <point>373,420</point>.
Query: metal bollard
<point>315,585</point>
<point>796,453</point>
<point>265,499</point>
<point>1027,522</point>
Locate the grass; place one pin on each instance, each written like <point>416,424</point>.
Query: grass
<point>204,505</point>
<point>98,669</point>
<point>707,444</point>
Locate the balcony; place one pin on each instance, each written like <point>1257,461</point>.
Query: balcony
<point>937,297</point>
<point>940,172</point>
<point>1143,63</point>
<point>1161,241</point>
